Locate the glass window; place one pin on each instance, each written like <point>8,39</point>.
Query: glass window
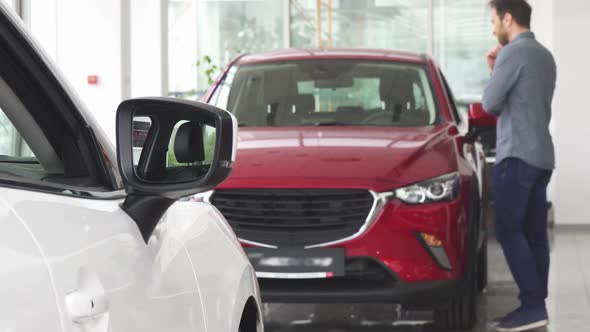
<point>12,146</point>
<point>389,24</point>
<point>205,35</point>
<point>182,48</point>
<point>364,92</point>
<point>330,92</point>
<point>16,158</point>
<point>462,37</point>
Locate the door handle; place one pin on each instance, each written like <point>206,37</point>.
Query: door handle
<point>83,307</point>
<point>88,303</point>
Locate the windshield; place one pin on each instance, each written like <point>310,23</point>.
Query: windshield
<point>328,92</point>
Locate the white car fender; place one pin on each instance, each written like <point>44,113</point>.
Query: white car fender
<point>224,276</point>
<point>247,293</point>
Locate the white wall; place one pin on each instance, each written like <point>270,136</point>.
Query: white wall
<point>543,26</point>
<point>543,21</point>
<point>558,25</point>
<point>43,23</point>
<point>84,37</point>
<point>120,41</point>
<point>572,115</point>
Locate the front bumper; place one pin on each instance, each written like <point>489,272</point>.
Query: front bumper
<point>411,295</point>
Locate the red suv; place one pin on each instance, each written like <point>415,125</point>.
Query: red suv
<point>356,180</point>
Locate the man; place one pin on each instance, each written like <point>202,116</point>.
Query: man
<point>520,93</point>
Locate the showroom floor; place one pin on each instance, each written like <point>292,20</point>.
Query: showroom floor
<point>568,304</point>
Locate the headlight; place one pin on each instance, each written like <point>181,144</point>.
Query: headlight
<point>444,188</point>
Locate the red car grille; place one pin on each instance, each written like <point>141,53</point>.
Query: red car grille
<point>294,217</point>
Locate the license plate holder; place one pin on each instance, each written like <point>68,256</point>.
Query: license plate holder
<point>316,263</point>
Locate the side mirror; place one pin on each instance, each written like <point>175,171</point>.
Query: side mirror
<point>171,148</point>
<point>480,118</point>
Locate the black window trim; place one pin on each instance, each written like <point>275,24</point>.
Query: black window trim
<point>17,45</point>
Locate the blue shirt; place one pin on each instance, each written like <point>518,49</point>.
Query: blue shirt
<point>520,93</point>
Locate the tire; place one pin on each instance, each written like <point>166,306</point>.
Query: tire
<point>461,314</point>
<point>258,327</point>
<point>482,267</point>
<point>251,320</point>
<point>482,260</point>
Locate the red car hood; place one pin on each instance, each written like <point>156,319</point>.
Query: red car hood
<point>350,157</point>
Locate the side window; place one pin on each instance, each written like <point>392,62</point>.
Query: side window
<point>12,146</point>
<point>42,140</point>
<point>16,158</point>
<point>451,99</point>
<point>419,97</point>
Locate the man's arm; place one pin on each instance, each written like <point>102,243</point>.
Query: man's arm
<point>504,76</point>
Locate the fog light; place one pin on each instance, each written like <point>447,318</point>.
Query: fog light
<point>431,240</point>
<point>435,247</point>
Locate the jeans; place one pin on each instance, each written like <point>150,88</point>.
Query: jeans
<point>520,198</point>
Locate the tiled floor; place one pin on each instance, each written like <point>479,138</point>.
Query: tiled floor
<point>568,304</point>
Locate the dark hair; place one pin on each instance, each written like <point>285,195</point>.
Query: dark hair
<point>519,9</point>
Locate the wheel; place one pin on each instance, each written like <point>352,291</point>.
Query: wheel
<point>482,268</point>
<point>461,314</point>
<point>250,321</point>
<point>482,260</point>
<point>258,327</point>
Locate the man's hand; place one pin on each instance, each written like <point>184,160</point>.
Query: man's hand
<point>492,55</point>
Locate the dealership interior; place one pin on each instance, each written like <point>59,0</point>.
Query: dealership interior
<point>416,177</point>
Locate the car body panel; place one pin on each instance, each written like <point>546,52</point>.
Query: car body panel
<point>224,277</point>
<point>30,291</point>
<point>173,283</point>
<point>379,159</point>
<point>332,53</point>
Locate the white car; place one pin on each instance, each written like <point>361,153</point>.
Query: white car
<point>91,242</point>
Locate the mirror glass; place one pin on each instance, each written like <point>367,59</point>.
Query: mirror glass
<point>141,128</point>
<point>171,150</point>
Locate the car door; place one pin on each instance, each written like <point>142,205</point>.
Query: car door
<point>58,183</point>
<point>27,288</point>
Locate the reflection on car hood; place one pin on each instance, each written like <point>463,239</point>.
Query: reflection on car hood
<point>362,157</point>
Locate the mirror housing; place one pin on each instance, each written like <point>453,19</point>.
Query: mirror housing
<point>166,111</point>
<point>480,118</point>
<point>149,198</point>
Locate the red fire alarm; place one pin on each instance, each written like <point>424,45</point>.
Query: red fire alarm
<point>92,79</point>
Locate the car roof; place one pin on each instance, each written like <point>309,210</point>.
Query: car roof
<point>332,53</point>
